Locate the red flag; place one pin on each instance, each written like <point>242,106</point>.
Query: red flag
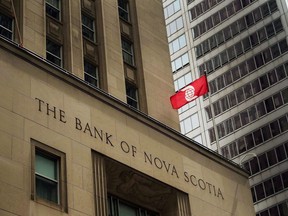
<point>190,92</point>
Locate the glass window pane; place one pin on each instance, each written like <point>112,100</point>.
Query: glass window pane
<point>257,137</point>
<point>254,165</point>
<point>283,124</point>
<point>46,189</point>
<point>266,132</point>
<point>254,39</point>
<point>256,86</point>
<point>261,109</point>
<point>125,210</point>
<point>46,166</point>
<point>277,182</point>
<point>233,149</point>
<point>264,82</point>
<point>283,46</point>
<point>249,141</point>
<point>257,14</point>
<point>244,118</point>
<point>251,64</point>
<point>269,105</point>
<point>232,99</point>
<point>271,156</point>
<point>275,51</point>
<point>228,78</point>
<point>252,113</point>
<point>241,145</point>
<point>272,77</point>
<point>240,95</point>
<point>248,91</point>
<point>263,161</point>
<point>281,154</point>
<point>268,187</point>
<point>275,128</point>
<point>259,191</point>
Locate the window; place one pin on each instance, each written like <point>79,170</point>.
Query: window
<point>6,26</point>
<point>118,207</point>
<point>123,9</point>
<point>53,8</point>
<point>91,74</point>
<point>127,52</point>
<point>54,52</point>
<point>88,29</point>
<point>48,176</point>
<point>132,95</point>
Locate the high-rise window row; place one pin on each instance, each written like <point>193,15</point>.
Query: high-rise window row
<point>243,46</point>
<point>252,114</point>
<point>267,159</point>
<point>177,44</point>
<point>248,66</point>
<point>182,81</point>
<point>203,7</point>
<point>190,123</point>
<point>219,17</point>
<point>172,8</point>
<point>279,209</point>
<point>174,26</point>
<point>248,90</point>
<point>180,62</point>
<point>270,186</point>
<point>236,28</point>
<point>257,137</point>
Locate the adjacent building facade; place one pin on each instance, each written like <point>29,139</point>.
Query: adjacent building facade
<point>86,125</point>
<point>242,46</point>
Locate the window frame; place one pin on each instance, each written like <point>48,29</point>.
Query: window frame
<point>87,28</point>
<point>6,29</point>
<point>129,53</point>
<point>86,73</point>
<point>48,151</point>
<point>125,11</point>
<point>59,17</point>
<point>60,58</point>
<point>129,97</point>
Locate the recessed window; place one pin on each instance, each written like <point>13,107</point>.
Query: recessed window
<point>123,8</point>
<point>54,52</point>
<point>127,52</point>
<point>6,26</point>
<point>88,27</point>
<point>132,95</point>
<point>53,8</point>
<point>91,74</point>
<point>48,176</point>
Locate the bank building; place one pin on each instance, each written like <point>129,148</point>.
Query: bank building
<point>86,123</point>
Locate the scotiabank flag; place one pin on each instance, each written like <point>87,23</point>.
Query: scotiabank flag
<point>190,92</point>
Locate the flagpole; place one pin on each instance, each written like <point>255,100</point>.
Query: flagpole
<point>213,119</point>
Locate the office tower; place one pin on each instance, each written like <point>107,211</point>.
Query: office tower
<point>242,46</point>
<point>86,126</point>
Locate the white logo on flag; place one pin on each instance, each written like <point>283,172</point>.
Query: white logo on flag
<point>189,93</point>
